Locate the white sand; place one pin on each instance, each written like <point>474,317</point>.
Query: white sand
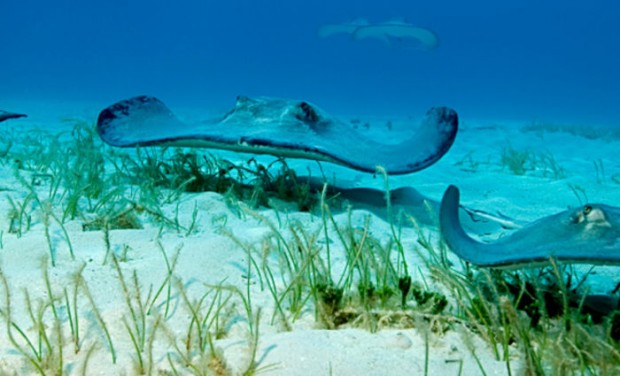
<point>208,257</point>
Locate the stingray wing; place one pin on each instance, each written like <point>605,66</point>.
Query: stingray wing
<point>558,236</point>
<point>4,115</point>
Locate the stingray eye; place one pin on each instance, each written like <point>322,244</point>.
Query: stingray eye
<point>587,210</point>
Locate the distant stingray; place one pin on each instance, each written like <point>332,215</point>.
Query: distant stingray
<point>10,115</point>
<point>388,32</point>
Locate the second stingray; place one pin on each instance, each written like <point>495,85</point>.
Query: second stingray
<point>409,207</point>
<point>589,234</point>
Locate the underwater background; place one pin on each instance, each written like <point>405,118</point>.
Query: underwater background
<point>173,258</point>
<point>551,61</point>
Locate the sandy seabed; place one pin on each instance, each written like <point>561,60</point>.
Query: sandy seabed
<point>208,255</point>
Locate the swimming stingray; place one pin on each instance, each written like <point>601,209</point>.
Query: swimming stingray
<point>425,211</point>
<point>387,32</point>
<point>10,115</point>
<point>589,234</point>
<point>281,127</point>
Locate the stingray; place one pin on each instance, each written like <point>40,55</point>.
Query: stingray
<point>589,234</point>
<point>409,202</point>
<point>280,127</point>
<point>393,30</point>
<point>10,115</point>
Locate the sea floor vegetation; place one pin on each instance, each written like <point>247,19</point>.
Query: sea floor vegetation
<point>331,270</point>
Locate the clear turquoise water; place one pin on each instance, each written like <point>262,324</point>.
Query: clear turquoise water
<point>553,62</point>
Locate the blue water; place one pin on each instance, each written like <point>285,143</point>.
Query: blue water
<point>532,60</point>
